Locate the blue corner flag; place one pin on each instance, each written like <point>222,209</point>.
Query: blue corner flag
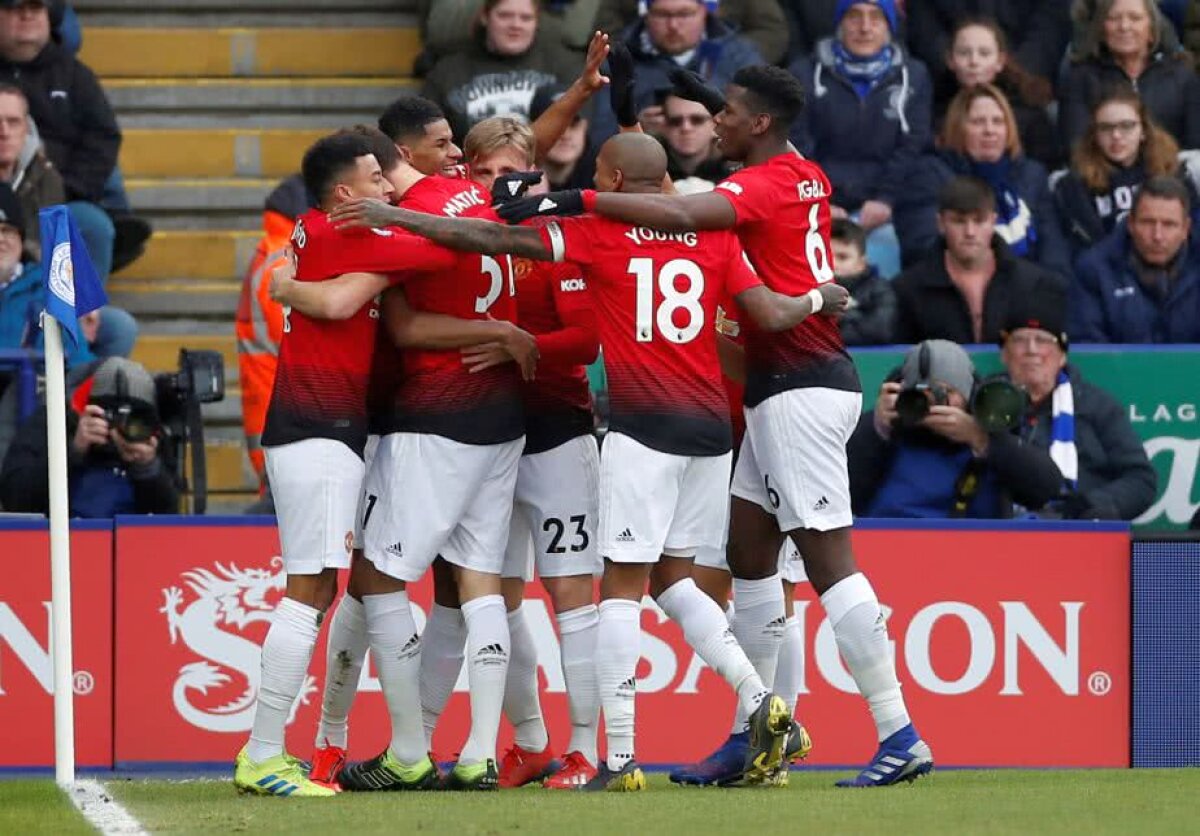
<point>72,287</point>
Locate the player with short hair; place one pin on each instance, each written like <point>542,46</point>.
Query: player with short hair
<point>666,459</point>
<point>803,399</point>
<point>314,437</point>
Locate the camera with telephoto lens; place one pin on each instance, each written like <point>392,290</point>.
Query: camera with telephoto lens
<point>994,402</point>
<point>913,402</point>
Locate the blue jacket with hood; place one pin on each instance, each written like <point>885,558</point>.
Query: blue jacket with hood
<point>866,144</point>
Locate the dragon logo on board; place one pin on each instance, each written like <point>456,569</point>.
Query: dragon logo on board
<point>217,693</point>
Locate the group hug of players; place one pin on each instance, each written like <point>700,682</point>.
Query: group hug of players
<point>458,437</point>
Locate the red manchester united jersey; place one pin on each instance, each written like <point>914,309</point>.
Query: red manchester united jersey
<point>656,296</point>
<point>437,394</point>
<point>783,222</point>
<point>553,305</point>
<point>324,365</point>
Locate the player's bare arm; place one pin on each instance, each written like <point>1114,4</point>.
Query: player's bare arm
<point>464,234</point>
<point>337,298</point>
<point>733,359</point>
<point>411,328</point>
<point>773,311</point>
<point>552,124</point>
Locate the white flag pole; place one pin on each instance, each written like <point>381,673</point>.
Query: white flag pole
<point>60,556</point>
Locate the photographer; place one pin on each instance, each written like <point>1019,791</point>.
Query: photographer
<point>115,459</point>
<point>921,453</point>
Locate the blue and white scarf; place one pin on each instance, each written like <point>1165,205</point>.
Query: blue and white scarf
<point>862,73</point>
<point>1014,220</point>
<point>1062,430</point>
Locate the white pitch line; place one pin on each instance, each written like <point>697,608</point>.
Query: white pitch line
<point>103,811</point>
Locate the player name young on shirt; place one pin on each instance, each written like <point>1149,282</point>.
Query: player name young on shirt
<point>656,296</point>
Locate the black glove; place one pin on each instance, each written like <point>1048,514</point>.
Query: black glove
<point>509,187</point>
<point>569,202</point>
<point>688,85</point>
<point>622,75</point>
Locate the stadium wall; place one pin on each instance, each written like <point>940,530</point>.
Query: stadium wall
<point>1012,639</point>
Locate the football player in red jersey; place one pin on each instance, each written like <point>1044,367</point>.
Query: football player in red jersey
<point>314,437</point>
<point>666,462</point>
<point>803,399</point>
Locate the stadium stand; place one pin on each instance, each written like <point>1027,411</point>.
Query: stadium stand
<point>217,102</point>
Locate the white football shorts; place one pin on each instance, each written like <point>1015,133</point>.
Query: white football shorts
<point>555,510</point>
<point>427,495</point>
<point>654,503</point>
<point>315,483</point>
<point>793,458</point>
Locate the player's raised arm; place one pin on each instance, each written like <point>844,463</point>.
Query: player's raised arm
<point>465,234</point>
<point>551,125</point>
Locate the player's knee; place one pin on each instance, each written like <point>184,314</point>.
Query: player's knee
<point>445,585</point>
<point>513,590</point>
<point>316,591</point>
<point>715,583</point>
<point>668,572</point>
<point>624,580</point>
<point>569,593</point>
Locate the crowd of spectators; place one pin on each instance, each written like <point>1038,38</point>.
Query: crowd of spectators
<point>1063,108</point>
<point>1021,173</point>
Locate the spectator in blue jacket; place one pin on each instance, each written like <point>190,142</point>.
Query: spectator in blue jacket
<point>674,34</point>
<point>980,138</point>
<point>869,117</point>
<point>1142,283</point>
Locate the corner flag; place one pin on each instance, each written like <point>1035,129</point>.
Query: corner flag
<point>72,287</point>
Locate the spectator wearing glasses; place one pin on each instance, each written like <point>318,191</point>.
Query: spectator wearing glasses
<point>762,22</point>
<point>868,119</point>
<point>1123,146</point>
<point>691,143</point>
<point>1128,43</point>
<point>672,35</point>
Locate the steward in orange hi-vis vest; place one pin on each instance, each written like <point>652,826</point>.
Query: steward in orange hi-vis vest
<point>259,323</point>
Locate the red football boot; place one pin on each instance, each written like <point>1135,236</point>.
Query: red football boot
<point>521,767</point>
<point>575,773</point>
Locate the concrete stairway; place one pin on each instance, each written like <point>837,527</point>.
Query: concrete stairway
<point>218,100</point>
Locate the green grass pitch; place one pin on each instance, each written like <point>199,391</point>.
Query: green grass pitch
<point>1000,801</point>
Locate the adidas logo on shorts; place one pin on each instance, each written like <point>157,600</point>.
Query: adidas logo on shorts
<point>395,549</point>
<point>821,504</point>
<point>625,536</point>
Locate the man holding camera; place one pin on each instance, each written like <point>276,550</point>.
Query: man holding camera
<point>115,462</point>
<point>923,453</point>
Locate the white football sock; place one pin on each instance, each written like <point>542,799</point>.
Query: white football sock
<point>396,649</point>
<point>862,637</point>
<point>707,631</point>
<point>618,648</point>
<point>577,643</point>
<point>441,661</point>
<point>344,656</point>
<point>521,704</point>
<point>286,653</point>
<point>758,626</point>
<point>790,672</point>
<point>488,650</point>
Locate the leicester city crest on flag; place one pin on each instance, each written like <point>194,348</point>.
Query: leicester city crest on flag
<point>72,287</point>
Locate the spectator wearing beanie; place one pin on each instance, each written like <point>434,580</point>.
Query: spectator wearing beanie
<point>1086,431</point>
<point>670,35</point>
<point>867,120</point>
